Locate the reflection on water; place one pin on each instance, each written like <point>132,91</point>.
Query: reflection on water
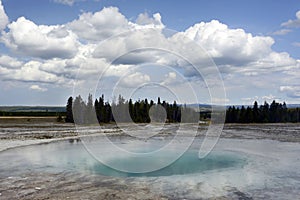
<point>72,156</point>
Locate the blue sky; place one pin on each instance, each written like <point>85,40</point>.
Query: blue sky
<point>262,34</point>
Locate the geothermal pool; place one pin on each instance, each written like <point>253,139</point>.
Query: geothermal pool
<point>71,155</point>
<point>258,169</point>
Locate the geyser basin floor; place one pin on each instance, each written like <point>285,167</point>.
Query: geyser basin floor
<point>271,170</point>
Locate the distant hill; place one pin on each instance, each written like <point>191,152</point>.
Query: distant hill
<point>33,108</point>
<point>293,105</point>
<point>199,107</point>
<point>207,107</point>
<point>288,106</point>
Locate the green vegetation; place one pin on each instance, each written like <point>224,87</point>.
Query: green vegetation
<point>69,113</point>
<point>273,113</point>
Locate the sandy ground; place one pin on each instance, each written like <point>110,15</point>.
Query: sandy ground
<point>15,132</point>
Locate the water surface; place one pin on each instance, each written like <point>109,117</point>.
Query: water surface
<point>72,156</point>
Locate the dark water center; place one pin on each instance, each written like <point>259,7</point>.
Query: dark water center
<point>72,156</point>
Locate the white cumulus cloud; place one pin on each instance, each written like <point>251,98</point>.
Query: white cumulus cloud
<point>99,25</point>
<point>38,88</point>
<point>149,22</point>
<point>3,17</point>
<point>229,46</point>
<point>30,72</point>
<point>51,54</point>
<point>41,41</point>
<point>9,62</point>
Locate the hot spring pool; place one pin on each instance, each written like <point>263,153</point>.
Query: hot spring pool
<point>72,156</point>
<point>236,168</point>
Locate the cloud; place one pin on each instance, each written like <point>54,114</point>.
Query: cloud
<point>9,62</point>
<point>282,32</point>
<point>293,23</point>
<point>171,75</point>
<point>135,47</point>
<point>3,17</point>
<point>38,88</point>
<point>274,62</point>
<point>297,44</point>
<point>291,91</point>
<point>70,2</point>
<point>229,46</point>
<point>236,52</point>
<point>65,2</point>
<point>269,97</point>
<point>45,42</point>
<point>99,25</point>
<point>83,49</point>
<point>150,22</point>
<point>29,72</point>
<point>110,22</point>
<point>216,101</point>
<point>233,50</point>
<point>81,66</point>
<point>250,99</point>
<point>134,80</point>
<point>170,78</point>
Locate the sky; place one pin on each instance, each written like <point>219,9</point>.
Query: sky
<point>205,51</point>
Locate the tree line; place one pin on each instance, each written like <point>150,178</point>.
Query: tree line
<point>140,111</point>
<point>266,113</point>
<point>144,111</point>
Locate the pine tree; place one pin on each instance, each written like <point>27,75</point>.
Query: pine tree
<point>90,115</point>
<point>78,110</point>
<point>97,110</point>
<point>255,112</point>
<point>69,111</point>
<point>131,110</point>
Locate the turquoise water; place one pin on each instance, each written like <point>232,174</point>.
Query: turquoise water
<point>189,163</point>
<point>71,156</point>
